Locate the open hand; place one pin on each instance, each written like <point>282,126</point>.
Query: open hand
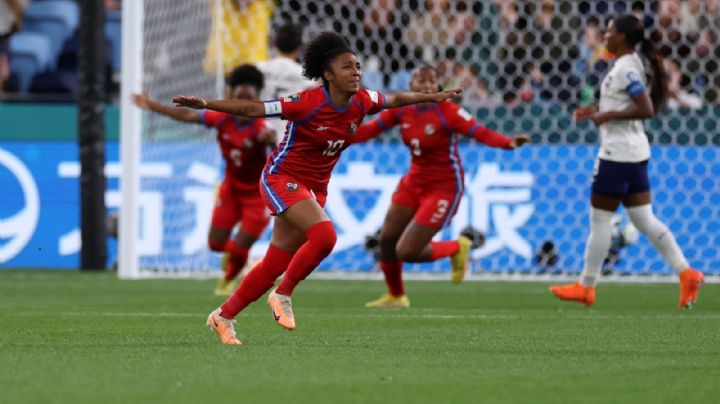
<point>519,140</point>
<point>141,100</point>
<point>582,114</point>
<point>446,95</point>
<point>599,118</point>
<point>189,102</point>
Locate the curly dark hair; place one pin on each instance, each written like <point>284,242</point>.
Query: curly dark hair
<point>321,51</point>
<point>246,74</point>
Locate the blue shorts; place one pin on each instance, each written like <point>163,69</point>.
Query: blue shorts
<point>611,178</point>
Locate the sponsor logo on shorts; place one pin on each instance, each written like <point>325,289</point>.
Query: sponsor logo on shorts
<point>291,186</point>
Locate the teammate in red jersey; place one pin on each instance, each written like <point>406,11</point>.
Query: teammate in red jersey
<point>322,123</point>
<point>428,196</point>
<point>245,145</point>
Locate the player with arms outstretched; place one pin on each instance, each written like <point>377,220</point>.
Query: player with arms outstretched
<point>322,123</point>
<point>428,196</point>
<point>245,145</point>
<point>621,169</point>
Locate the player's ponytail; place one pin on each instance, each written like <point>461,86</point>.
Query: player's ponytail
<point>634,35</point>
<point>320,52</point>
<point>658,83</point>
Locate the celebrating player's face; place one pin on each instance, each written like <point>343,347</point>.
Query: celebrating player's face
<point>345,73</point>
<point>424,81</point>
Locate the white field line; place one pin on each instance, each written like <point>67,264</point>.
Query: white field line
<point>393,313</point>
<point>438,276</point>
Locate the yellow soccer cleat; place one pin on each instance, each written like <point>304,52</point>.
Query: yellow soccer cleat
<point>224,287</point>
<point>281,307</point>
<point>459,260</point>
<point>224,328</point>
<point>389,301</point>
<point>224,261</point>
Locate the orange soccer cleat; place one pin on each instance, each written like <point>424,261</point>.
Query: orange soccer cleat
<point>282,312</point>
<point>575,292</point>
<point>690,282</point>
<point>224,328</point>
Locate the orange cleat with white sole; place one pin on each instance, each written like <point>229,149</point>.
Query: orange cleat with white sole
<point>281,307</point>
<point>690,282</point>
<point>575,292</point>
<point>224,328</point>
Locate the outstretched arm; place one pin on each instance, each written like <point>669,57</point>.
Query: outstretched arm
<point>408,98</point>
<point>183,115</point>
<point>248,108</point>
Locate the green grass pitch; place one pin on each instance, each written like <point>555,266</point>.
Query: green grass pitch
<point>74,337</point>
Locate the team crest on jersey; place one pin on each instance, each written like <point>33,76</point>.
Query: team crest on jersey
<point>429,129</point>
<point>292,98</point>
<point>291,186</point>
<point>353,128</point>
<point>247,143</point>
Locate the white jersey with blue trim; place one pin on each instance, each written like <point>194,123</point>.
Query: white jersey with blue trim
<point>623,140</point>
<point>283,77</point>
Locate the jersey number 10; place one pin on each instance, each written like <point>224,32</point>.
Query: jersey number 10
<point>333,147</point>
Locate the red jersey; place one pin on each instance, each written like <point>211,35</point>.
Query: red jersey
<point>431,134</point>
<point>317,132</point>
<point>244,155</point>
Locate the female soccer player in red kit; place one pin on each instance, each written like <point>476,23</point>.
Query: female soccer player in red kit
<point>245,145</point>
<point>322,123</point>
<point>428,196</point>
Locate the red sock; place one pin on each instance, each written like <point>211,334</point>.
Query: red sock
<point>321,239</point>
<point>393,277</point>
<point>257,282</point>
<point>238,258</point>
<point>442,249</point>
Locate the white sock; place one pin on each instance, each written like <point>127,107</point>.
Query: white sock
<point>598,244</point>
<point>659,235</point>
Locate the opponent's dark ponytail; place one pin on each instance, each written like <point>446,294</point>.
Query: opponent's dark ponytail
<point>635,34</point>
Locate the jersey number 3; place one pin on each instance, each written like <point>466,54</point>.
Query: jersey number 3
<point>416,150</point>
<point>333,147</point>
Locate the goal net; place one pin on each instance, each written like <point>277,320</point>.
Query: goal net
<point>524,65</point>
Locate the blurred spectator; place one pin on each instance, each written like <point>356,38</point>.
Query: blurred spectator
<point>442,22</point>
<point>678,83</point>
<point>475,91</point>
<point>10,22</point>
<point>592,46</point>
<point>240,31</point>
<point>690,16</point>
<point>639,11</point>
<point>383,25</point>
<point>544,20</point>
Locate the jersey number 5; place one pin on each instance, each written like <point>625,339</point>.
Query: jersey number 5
<point>333,147</point>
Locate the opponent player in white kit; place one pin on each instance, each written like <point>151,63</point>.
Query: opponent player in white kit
<point>283,74</point>
<point>621,169</point>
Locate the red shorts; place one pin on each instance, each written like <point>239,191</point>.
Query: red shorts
<point>281,192</point>
<point>232,206</point>
<point>433,209</point>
